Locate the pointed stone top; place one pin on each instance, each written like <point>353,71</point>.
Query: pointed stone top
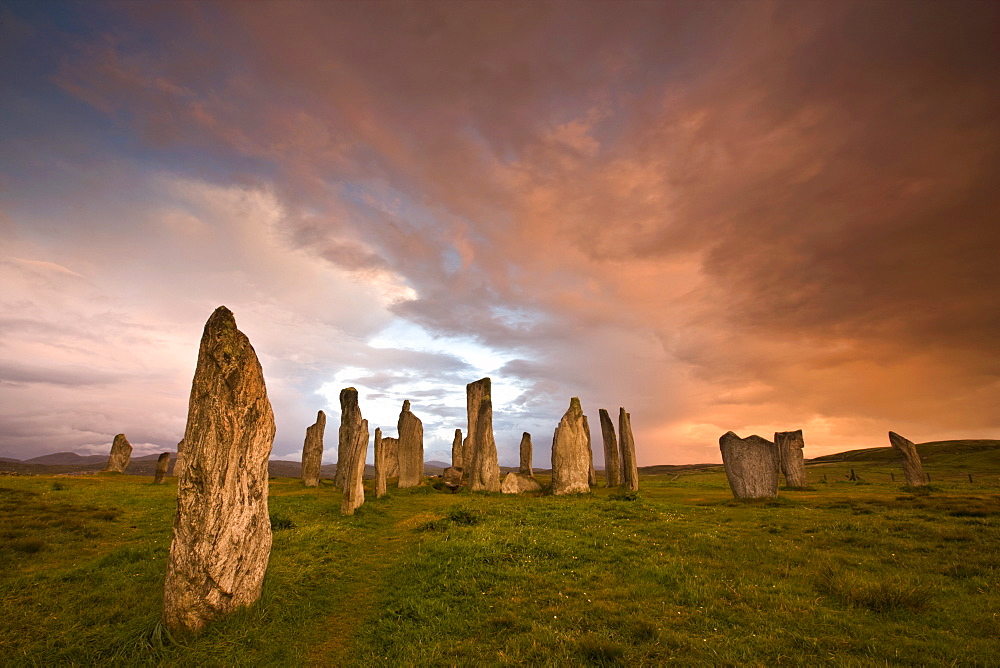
<point>378,432</point>
<point>574,404</point>
<point>222,317</point>
<point>724,437</point>
<point>320,416</point>
<point>458,432</point>
<point>893,434</point>
<point>117,436</point>
<point>406,405</point>
<point>525,435</point>
<point>603,411</point>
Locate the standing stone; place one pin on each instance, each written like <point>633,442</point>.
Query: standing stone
<point>516,482</point>
<point>452,477</point>
<point>612,462</point>
<point>354,484</point>
<point>179,461</point>
<point>391,446</point>
<point>591,472</point>
<point>222,532</point>
<point>350,425</point>
<point>793,466</point>
<point>525,467</point>
<point>456,451</point>
<point>162,464</point>
<point>484,475</point>
<point>626,446</point>
<point>312,451</point>
<point>570,471</point>
<point>121,453</point>
<point>380,465</point>
<point>475,393</point>
<point>910,458</point>
<point>411,448</point>
<point>751,464</point>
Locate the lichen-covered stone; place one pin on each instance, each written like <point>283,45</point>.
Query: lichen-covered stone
<point>222,531</point>
<point>162,464</point>
<point>312,451</point>
<point>121,453</point>
<point>626,447</point>
<point>913,469</point>
<point>381,462</point>
<point>354,486</point>
<point>411,448</point>
<point>570,456</point>
<point>456,450</point>
<point>751,465</point>
<point>793,466</point>
<point>350,425</point>
<point>484,475</point>
<point>612,462</point>
<point>525,466</point>
<point>519,483</point>
<point>475,393</point>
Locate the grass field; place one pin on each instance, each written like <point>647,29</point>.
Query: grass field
<point>844,573</point>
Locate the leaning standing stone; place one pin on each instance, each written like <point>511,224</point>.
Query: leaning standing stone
<point>380,465</point>
<point>516,482</point>
<point>312,451</point>
<point>525,467</point>
<point>222,532</point>
<point>354,484</point>
<point>793,466</point>
<point>484,475</point>
<point>162,464</point>
<point>751,466</point>
<point>570,468</point>
<point>411,448</point>
<point>121,453</point>
<point>630,468</point>
<point>912,468</point>
<point>350,425</point>
<point>612,462</point>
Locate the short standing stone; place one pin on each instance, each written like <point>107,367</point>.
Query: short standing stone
<point>525,467</point>
<point>591,472</point>
<point>912,468</point>
<point>350,425</point>
<point>179,461</point>
<point>751,464</point>
<point>380,465</point>
<point>312,451</point>
<point>612,462</point>
<point>411,448</point>
<point>222,532</point>
<point>456,450</point>
<point>626,443</point>
<point>121,453</point>
<point>452,477</point>
<point>354,484</point>
<point>484,475</point>
<point>793,466</point>
<point>162,464</point>
<point>570,468</point>
<point>516,482</point>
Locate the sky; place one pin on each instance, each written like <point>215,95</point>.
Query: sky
<point>746,216</point>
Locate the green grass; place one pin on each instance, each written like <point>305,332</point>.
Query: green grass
<point>840,573</point>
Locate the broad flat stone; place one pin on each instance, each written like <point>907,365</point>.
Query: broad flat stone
<point>519,483</point>
<point>570,465</point>
<point>411,448</point>
<point>751,465</point>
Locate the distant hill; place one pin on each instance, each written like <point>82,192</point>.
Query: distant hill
<point>976,451</point>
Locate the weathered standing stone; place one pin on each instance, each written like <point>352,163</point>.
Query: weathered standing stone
<point>162,464</point>
<point>626,446</point>
<point>456,450</point>
<point>222,532</point>
<point>179,461</point>
<point>411,448</point>
<point>516,482</point>
<point>751,464</point>
<point>391,446</point>
<point>612,462</point>
<point>121,453</point>
<point>910,459</point>
<point>350,424</point>
<point>312,451</point>
<point>793,466</point>
<point>484,474</point>
<point>381,462</point>
<point>570,471</point>
<point>591,472</point>
<point>525,467</point>
<point>474,395</point>
<point>354,485</point>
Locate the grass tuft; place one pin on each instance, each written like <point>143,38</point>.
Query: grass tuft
<point>878,594</point>
<point>624,495</point>
<point>279,523</point>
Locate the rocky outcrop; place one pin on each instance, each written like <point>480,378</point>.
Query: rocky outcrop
<point>380,465</point>
<point>913,469</point>
<point>519,483</point>
<point>162,464</point>
<point>525,466</point>
<point>793,466</point>
<point>411,448</point>
<point>121,453</point>
<point>312,451</point>
<point>591,472</point>
<point>484,474</point>
<point>222,531</point>
<point>475,393</point>
<point>354,486</point>
<point>570,465</point>
<point>612,462</point>
<point>751,465</point>
<point>626,447</point>
<point>350,425</point>
<point>179,461</point>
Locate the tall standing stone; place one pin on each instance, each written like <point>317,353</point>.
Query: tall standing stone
<point>475,393</point>
<point>391,446</point>
<point>910,458</point>
<point>380,465</point>
<point>354,483</point>
<point>751,464</point>
<point>350,425</point>
<point>222,532</point>
<point>121,453</point>
<point>591,472</point>
<point>162,464</point>
<point>626,445</point>
<point>525,466</point>
<point>484,475</point>
<point>793,466</point>
<point>411,448</point>
<point>570,468</point>
<point>612,462</point>
<point>179,462</point>
<point>312,451</point>
<point>456,451</point>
